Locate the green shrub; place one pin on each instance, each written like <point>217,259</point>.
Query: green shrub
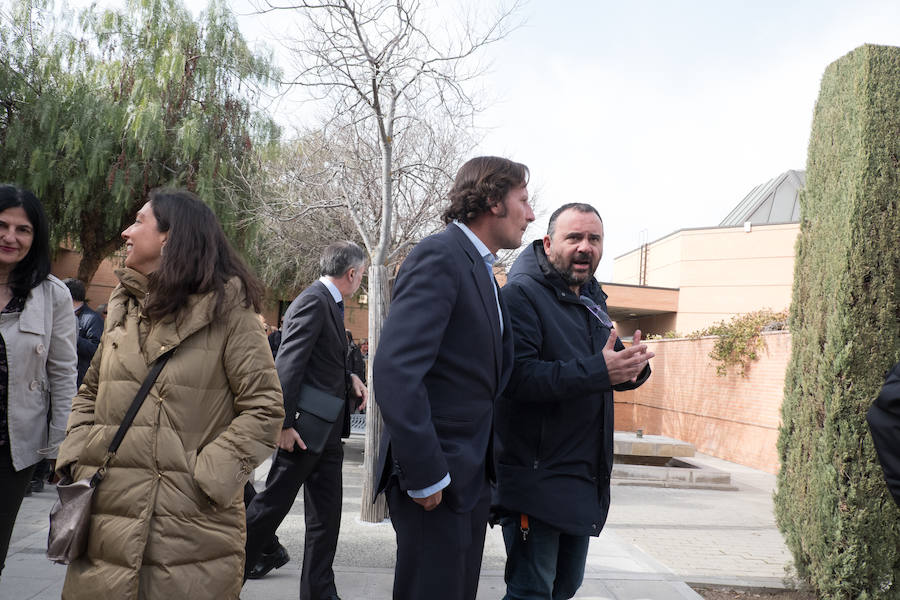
<point>739,340</point>
<point>831,502</point>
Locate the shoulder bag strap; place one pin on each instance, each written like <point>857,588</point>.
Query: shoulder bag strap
<point>132,412</point>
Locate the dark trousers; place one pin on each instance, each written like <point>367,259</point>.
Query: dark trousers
<point>41,470</point>
<point>320,476</point>
<point>438,552</point>
<point>249,495</point>
<point>13,483</point>
<point>546,565</point>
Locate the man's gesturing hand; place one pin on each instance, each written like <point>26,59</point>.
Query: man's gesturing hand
<point>626,364</point>
<point>430,502</point>
<point>288,438</point>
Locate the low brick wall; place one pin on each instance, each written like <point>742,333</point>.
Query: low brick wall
<point>732,417</point>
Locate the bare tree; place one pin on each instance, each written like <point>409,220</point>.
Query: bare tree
<point>396,78</point>
<point>297,212</point>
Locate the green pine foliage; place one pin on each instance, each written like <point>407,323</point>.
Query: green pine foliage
<point>98,110</point>
<point>831,503</point>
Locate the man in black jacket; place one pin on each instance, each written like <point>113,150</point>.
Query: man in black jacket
<point>90,327</point>
<point>554,422</point>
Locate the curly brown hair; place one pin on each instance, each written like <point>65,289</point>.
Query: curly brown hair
<point>482,183</point>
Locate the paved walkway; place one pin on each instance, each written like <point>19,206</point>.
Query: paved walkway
<point>656,542</point>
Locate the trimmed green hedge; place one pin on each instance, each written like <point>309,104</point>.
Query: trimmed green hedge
<point>831,503</point>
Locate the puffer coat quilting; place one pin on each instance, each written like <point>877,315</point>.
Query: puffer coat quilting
<point>168,520</point>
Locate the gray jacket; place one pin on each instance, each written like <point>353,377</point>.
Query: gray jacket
<point>40,353</point>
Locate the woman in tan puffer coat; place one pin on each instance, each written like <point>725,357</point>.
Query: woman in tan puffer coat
<point>168,520</point>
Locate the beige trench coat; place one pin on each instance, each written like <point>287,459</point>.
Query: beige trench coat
<point>40,354</point>
<point>168,520</point>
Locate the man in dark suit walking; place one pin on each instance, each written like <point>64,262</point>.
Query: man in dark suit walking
<point>313,352</point>
<point>445,354</point>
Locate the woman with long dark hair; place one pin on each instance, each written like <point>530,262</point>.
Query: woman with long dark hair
<point>37,331</point>
<point>168,519</point>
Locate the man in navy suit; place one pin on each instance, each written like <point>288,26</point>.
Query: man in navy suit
<point>445,354</point>
<point>313,352</point>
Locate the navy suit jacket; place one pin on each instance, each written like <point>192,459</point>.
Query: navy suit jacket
<point>440,364</point>
<point>313,348</point>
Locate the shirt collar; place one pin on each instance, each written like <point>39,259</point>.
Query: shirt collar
<point>335,293</point>
<point>483,251</point>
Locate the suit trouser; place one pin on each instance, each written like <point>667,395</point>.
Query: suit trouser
<point>320,475</point>
<point>438,552</point>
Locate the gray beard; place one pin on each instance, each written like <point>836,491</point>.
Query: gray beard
<point>571,279</point>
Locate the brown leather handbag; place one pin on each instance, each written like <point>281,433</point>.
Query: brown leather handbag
<point>70,517</point>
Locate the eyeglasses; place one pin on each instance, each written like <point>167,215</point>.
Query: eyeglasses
<point>597,311</point>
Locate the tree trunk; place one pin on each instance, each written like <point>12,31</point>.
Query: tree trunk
<point>91,257</point>
<point>379,301</point>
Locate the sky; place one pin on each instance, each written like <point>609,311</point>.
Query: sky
<point>663,114</point>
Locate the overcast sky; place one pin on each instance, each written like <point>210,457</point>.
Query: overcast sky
<point>663,114</point>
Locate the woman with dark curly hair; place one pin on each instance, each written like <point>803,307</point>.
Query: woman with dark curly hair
<point>168,519</point>
<point>37,329</point>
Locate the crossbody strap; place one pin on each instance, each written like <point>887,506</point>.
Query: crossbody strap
<point>158,364</point>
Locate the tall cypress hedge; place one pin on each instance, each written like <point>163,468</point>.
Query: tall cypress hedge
<point>831,502</point>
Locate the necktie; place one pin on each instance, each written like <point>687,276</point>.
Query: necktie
<point>341,309</point>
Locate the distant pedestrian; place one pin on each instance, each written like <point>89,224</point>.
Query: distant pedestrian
<point>275,338</point>
<point>356,365</point>
<point>168,520</point>
<point>90,326</point>
<point>37,352</point>
<point>554,422</point>
<point>355,360</point>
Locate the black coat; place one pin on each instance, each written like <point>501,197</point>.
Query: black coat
<point>884,423</point>
<point>90,330</point>
<point>313,351</point>
<point>355,361</point>
<point>274,342</point>
<point>439,367</point>
<point>554,423</point>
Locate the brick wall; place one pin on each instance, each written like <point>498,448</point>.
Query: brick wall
<point>97,291</point>
<point>734,418</point>
<point>65,264</point>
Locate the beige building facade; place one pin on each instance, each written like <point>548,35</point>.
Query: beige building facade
<point>744,264</point>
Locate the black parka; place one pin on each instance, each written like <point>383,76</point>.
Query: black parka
<point>884,423</point>
<point>554,423</point>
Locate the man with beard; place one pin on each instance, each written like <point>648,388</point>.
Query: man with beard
<point>554,422</point>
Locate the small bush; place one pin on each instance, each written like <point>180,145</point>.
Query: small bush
<point>739,341</point>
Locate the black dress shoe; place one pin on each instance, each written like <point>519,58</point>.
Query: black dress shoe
<point>37,485</point>
<point>267,562</point>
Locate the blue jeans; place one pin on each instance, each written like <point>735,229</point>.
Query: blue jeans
<point>547,565</point>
